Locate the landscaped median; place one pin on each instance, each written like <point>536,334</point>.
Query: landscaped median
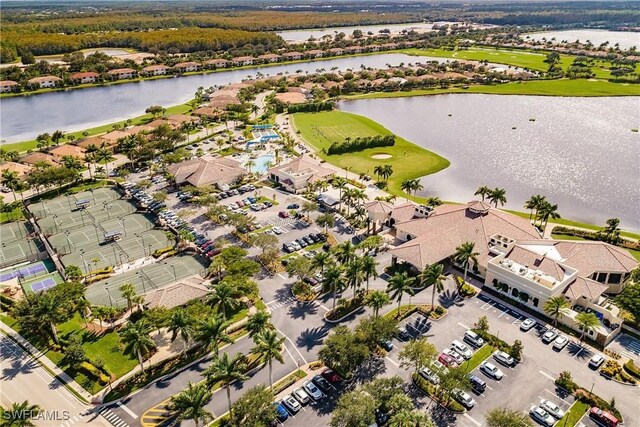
<point>424,309</point>
<point>574,414</point>
<point>432,391</point>
<point>585,396</point>
<point>346,308</point>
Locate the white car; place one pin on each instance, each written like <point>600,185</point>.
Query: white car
<point>552,408</point>
<point>560,342</point>
<point>301,396</point>
<point>504,358</point>
<point>549,336</point>
<point>430,376</point>
<point>542,416</point>
<point>454,355</point>
<point>527,324</point>
<point>596,360</point>
<point>464,398</point>
<point>313,391</point>
<point>291,404</point>
<point>278,230</point>
<point>491,370</point>
<point>461,349</point>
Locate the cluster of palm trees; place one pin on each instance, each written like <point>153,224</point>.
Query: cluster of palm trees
<point>495,196</point>
<point>411,186</point>
<point>557,307</point>
<point>384,172</point>
<point>541,210</point>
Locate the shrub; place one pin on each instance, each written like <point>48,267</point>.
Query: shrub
<point>159,252</point>
<point>359,144</point>
<point>467,291</point>
<point>430,390</point>
<point>438,312</point>
<point>310,107</point>
<point>632,369</point>
<point>303,291</point>
<point>345,307</point>
<point>565,380</point>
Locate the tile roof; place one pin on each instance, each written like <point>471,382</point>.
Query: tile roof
<point>587,287</point>
<point>175,295</point>
<point>44,79</point>
<point>19,168</point>
<point>303,164</point>
<point>536,261</point>
<point>34,158</point>
<point>67,150</point>
<point>6,83</point>
<point>199,171</point>
<point>589,257</point>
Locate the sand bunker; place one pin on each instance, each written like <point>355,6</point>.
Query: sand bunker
<point>381,156</point>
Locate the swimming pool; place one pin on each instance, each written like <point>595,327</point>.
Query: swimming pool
<point>262,163</point>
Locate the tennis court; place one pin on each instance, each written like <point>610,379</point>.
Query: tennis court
<point>67,204</point>
<point>13,231</point>
<point>24,271</point>
<point>43,285</point>
<point>59,222</point>
<point>19,251</point>
<point>145,279</point>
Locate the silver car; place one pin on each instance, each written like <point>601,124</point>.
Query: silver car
<point>560,342</point>
<point>301,396</point>
<point>552,408</point>
<point>313,391</point>
<point>527,324</point>
<point>291,404</point>
<point>464,398</point>
<point>491,370</point>
<point>542,416</point>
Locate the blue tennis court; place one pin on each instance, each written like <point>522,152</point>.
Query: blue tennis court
<point>27,271</point>
<point>43,284</point>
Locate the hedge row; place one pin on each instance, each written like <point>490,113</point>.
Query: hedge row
<point>596,235</point>
<point>359,144</point>
<point>310,107</point>
<point>159,252</point>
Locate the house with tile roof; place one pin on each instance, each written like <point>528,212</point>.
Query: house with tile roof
<point>38,157</point>
<point>45,81</point>
<point>155,70</point>
<point>8,86</point>
<point>67,150</point>
<point>85,77</point>
<point>199,172</point>
<point>19,168</point>
<point>295,175</point>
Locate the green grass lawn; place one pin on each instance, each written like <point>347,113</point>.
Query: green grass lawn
<point>574,414</point>
<point>408,160</point>
<point>478,357</point>
<point>11,216</point>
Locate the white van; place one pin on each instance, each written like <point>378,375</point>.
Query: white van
<point>461,349</point>
<point>473,339</point>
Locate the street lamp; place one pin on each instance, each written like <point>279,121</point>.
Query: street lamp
<point>97,235</point>
<point>144,288</point>
<point>120,255</point>
<point>123,227</point>
<point>84,262</point>
<point>108,293</point>
<point>175,276</point>
<point>55,222</point>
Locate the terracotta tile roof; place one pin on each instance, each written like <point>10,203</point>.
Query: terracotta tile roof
<point>7,83</point>
<point>186,64</point>
<point>44,79</point>
<point>75,76</point>
<point>244,58</point>
<point>155,67</point>
<point>269,56</point>
<point>201,171</point>
<point>67,150</point>
<point>291,97</point>
<point>181,118</point>
<point>113,136</point>
<point>33,158</point>
<point>589,257</point>
<point>536,261</point>
<point>315,52</point>
<point>175,295</point>
<point>587,287</point>
<point>217,61</point>
<point>291,54</point>
<point>19,168</point>
<point>122,71</point>
<point>85,143</point>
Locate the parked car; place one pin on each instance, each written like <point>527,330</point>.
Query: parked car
<point>454,355</point>
<point>477,384</point>
<point>542,416</point>
<point>322,383</point>
<point>461,349</point>
<point>552,408</point>
<point>560,342</point>
<point>301,396</point>
<point>447,361</point>
<point>549,336</point>
<point>491,370</point>
<point>403,334</point>
<point>302,243</point>
<point>291,404</point>
<point>382,418</point>
<point>473,339</point>
<point>312,390</point>
<point>277,230</point>
<point>387,345</point>
<point>464,398</point>
<point>331,376</point>
<point>429,375</point>
<point>504,358</point>
<point>527,324</point>
<point>603,417</point>
<point>281,412</point>
<point>293,206</point>
<point>596,361</point>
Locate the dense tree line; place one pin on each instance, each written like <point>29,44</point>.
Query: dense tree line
<point>361,143</point>
<point>310,107</point>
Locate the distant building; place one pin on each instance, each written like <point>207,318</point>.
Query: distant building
<point>292,56</point>
<point>37,157</point>
<point>8,86</point>
<point>67,150</point>
<point>86,77</point>
<point>315,53</point>
<point>269,57</point>
<point>216,63</point>
<point>187,67</point>
<point>123,73</point>
<point>19,168</point>
<point>45,81</point>
<point>155,70</point>
<point>296,175</point>
<point>200,172</point>
<point>336,51</point>
<point>243,60</point>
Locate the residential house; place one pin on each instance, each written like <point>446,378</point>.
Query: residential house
<point>67,150</point>
<point>123,73</point>
<point>8,86</point>
<point>92,140</point>
<point>350,50</point>
<point>187,67</point>
<point>110,139</point>
<point>269,57</point>
<point>216,63</point>
<point>292,56</point>
<point>220,171</point>
<point>177,120</point>
<point>207,111</point>
<point>83,78</point>
<point>45,81</point>
<point>18,168</point>
<point>38,157</point>
<point>155,70</point>
<point>335,51</point>
<point>315,53</point>
<point>243,60</point>
<point>295,175</point>
<point>374,48</point>
<point>291,97</point>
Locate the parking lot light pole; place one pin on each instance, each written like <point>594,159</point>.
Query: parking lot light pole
<point>175,276</point>
<point>123,227</point>
<point>109,294</point>
<point>115,255</point>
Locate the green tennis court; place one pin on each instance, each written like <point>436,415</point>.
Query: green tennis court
<point>19,251</point>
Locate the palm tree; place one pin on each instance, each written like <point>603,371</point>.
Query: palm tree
<point>587,323</point>
<point>104,155</point>
<point>211,332</point>
<point>466,254</point>
<point>189,404</point>
<point>333,281</point>
<point>217,266</point>
<point>369,265</point>
<point>612,231</point>
<point>339,183</point>
<point>180,323</point>
<point>308,207</point>
<point>556,307</point>
<point>354,274</point>
<point>376,300</point>
<point>259,322</point>
<point>250,164</point>
<point>378,170</point>
<point>546,211</point>
<point>226,371</point>
<point>224,296</point>
<point>483,191</point>
<point>387,171</point>
<point>534,203</point>
<point>498,195</point>
<point>400,284</point>
<point>432,275</point>
<point>344,252</point>
<point>49,311</point>
<point>19,415</point>
<point>269,347</point>
<point>128,290</point>
<point>10,180</point>
<point>321,260</point>
<point>137,340</point>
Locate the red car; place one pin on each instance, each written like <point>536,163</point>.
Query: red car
<point>447,361</point>
<point>283,214</point>
<point>331,376</point>
<point>603,417</point>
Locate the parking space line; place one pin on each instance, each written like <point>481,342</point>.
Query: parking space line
<point>547,375</point>
<point>489,387</point>
<point>393,362</point>
<point>281,276</point>
<point>470,418</point>
<point>578,352</point>
<point>463,325</point>
<point>556,396</point>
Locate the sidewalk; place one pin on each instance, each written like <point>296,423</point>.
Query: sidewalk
<point>44,361</point>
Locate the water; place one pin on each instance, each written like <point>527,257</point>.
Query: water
<point>262,163</point>
<point>25,117</point>
<point>579,152</point>
<point>626,39</point>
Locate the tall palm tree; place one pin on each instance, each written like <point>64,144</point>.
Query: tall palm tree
<point>498,195</point>
<point>534,203</point>
<point>128,290</point>
<point>612,230</point>
<point>181,323</point>
<point>376,300</point>
<point>546,211</point>
<point>50,312</point>
<point>308,207</point>
<point>321,260</point>
<point>333,281</point>
<point>400,284</point>
<point>345,252</point>
<point>483,191</point>
<point>432,275</point>
<point>224,296</point>
<point>250,165</point>
<point>10,180</point>
<point>19,414</point>
<point>268,347</point>
<point>259,322</point>
<point>587,323</point>
<point>466,254</point>
<point>378,170</point>
<point>189,404</point>
<point>387,171</point>
<point>211,332</point>
<point>354,274</point>
<point>226,370</point>
<point>556,307</point>
<point>416,186</point>
<point>369,265</point>
<point>104,155</point>
<point>137,340</point>
<point>339,183</point>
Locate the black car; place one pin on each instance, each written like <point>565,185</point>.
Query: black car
<point>322,383</point>
<point>268,204</point>
<point>313,238</point>
<point>293,206</point>
<point>287,248</point>
<point>308,239</point>
<point>302,243</point>
<point>382,418</point>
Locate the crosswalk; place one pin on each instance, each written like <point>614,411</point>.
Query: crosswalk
<point>71,421</point>
<point>281,222</point>
<point>280,303</point>
<point>113,419</point>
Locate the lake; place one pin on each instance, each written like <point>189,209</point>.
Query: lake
<point>579,152</point>
<point>626,39</point>
<point>25,117</point>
